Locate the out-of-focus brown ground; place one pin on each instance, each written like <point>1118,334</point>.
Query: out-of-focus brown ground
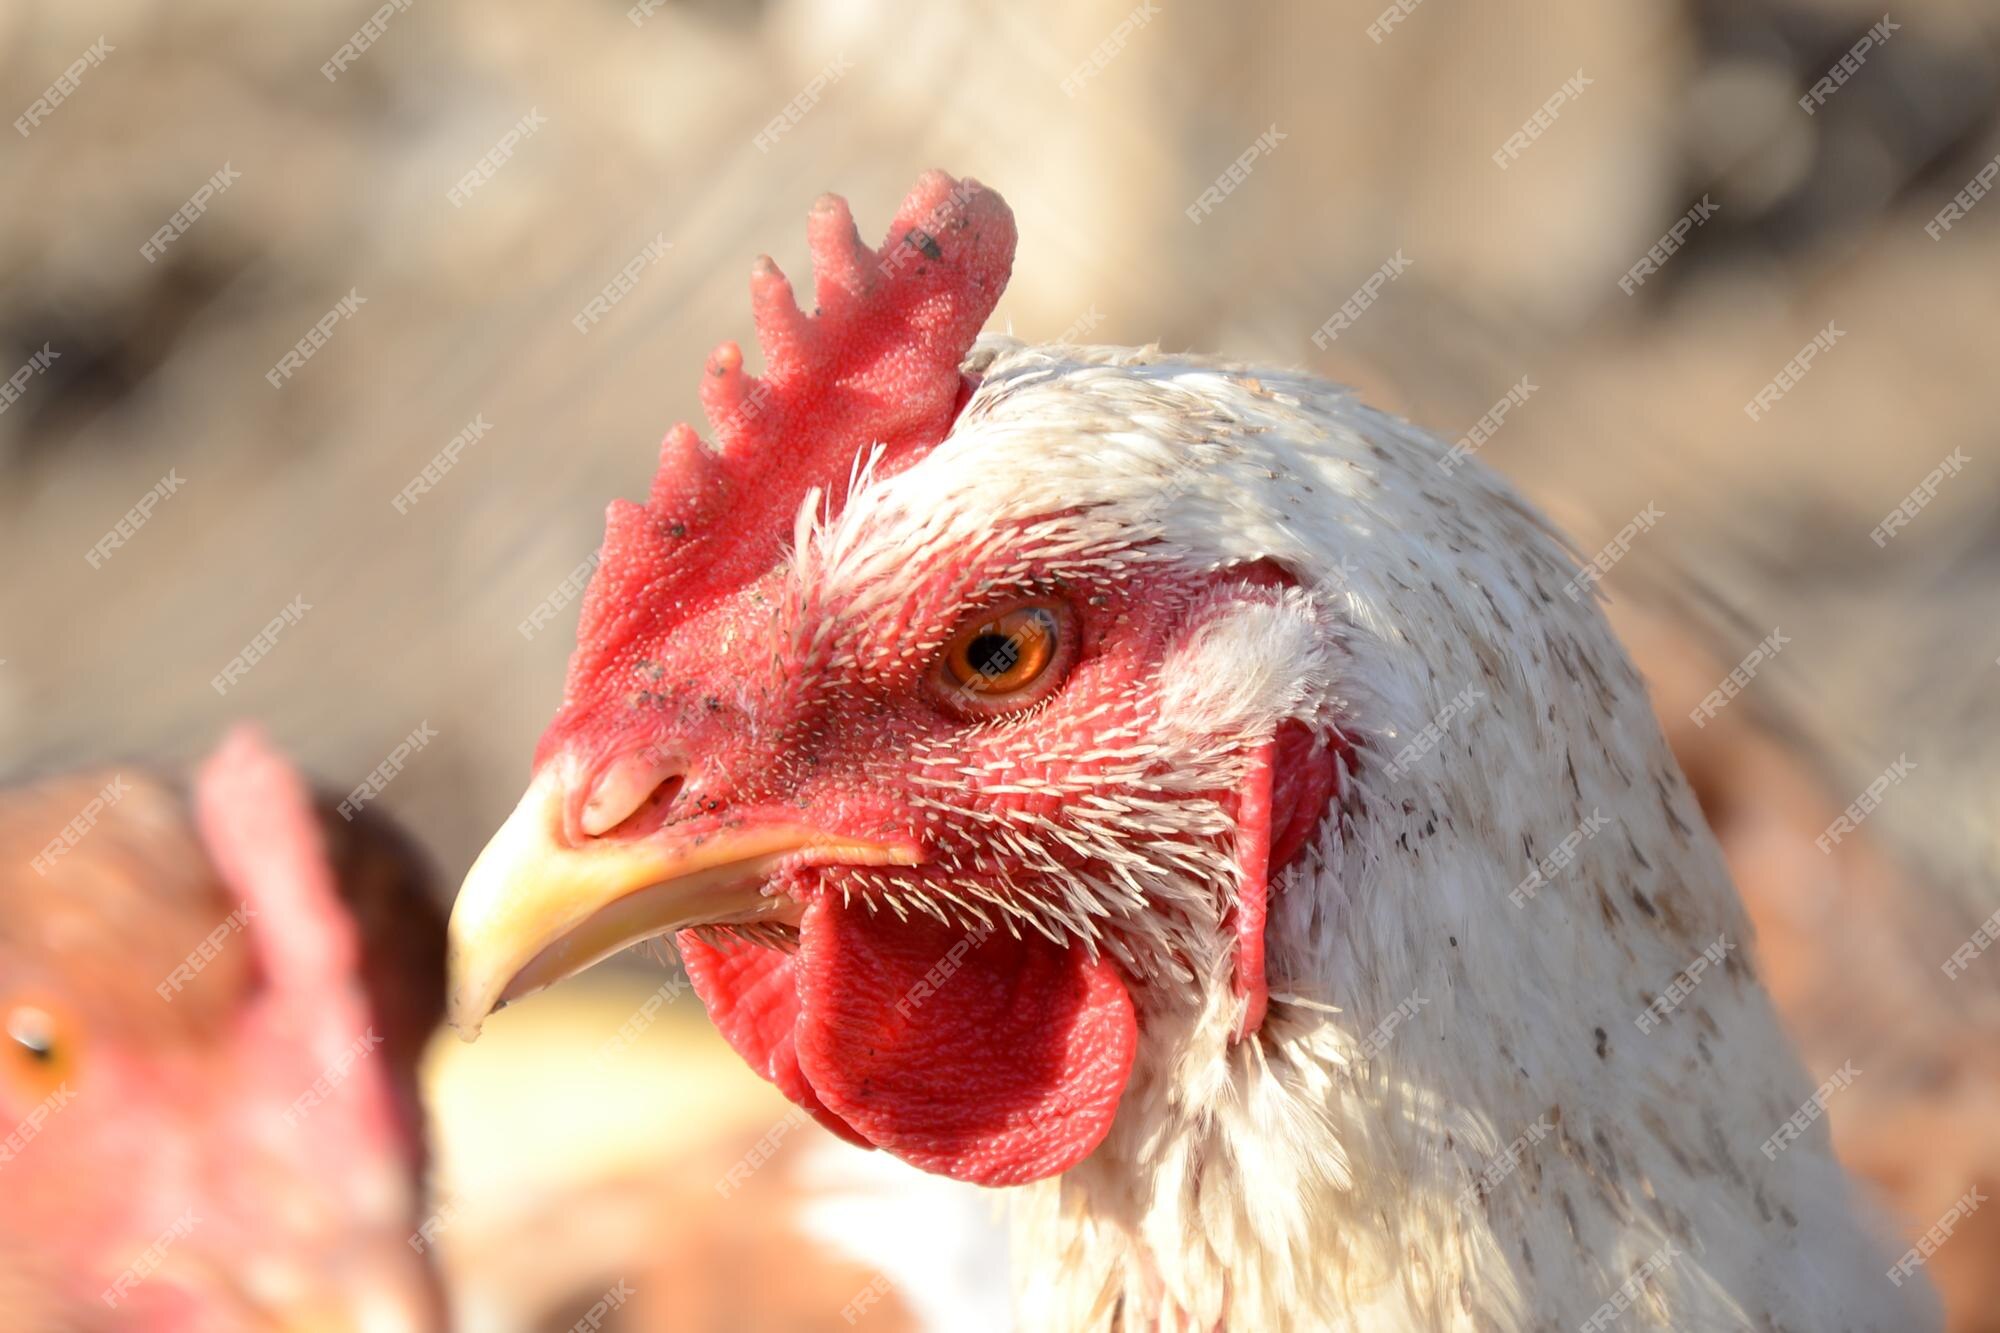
<point>1387,149</point>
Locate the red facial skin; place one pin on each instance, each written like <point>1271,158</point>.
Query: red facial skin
<point>772,716</point>
<point>190,1120</point>
<point>1025,1048</point>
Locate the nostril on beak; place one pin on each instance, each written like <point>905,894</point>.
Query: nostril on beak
<point>632,791</point>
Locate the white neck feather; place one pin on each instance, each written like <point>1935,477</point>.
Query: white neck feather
<point>1426,1028</point>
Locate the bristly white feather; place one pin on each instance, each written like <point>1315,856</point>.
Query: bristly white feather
<point>1325,1175</point>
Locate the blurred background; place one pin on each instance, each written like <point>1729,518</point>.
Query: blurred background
<point>672,141</point>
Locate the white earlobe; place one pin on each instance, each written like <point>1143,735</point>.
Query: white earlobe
<point>1254,662</point>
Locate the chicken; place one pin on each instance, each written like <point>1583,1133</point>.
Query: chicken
<point>210,1014</point>
<point>1185,794</point>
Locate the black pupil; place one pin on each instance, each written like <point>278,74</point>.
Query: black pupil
<point>993,654</point>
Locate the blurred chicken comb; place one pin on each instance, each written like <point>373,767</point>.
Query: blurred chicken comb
<point>878,363</point>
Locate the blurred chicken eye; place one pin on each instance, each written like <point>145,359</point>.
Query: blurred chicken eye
<point>34,1032</point>
<point>1006,658</point>
<point>38,1058</point>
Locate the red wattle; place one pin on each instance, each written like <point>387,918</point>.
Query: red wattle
<point>752,997</point>
<point>992,1060</point>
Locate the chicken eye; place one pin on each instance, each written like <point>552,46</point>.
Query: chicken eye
<point>40,1058</point>
<point>34,1032</point>
<point>1006,658</point>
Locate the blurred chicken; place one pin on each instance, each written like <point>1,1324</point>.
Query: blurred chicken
<point>210,1013</point>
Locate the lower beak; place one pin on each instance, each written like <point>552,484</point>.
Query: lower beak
<point>535,908</point>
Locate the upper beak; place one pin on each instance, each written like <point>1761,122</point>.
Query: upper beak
<point>536,908</point>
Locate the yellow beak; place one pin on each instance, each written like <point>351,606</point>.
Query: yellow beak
<point>535,909</point>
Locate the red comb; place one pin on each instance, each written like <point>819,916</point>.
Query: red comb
<point>876,364</point>
<point>256,817</point>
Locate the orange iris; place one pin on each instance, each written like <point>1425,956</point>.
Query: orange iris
<point>1002,655</point>
<point>37,1051</point>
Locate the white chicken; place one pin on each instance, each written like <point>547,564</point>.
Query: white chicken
<point>1182,793</point>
